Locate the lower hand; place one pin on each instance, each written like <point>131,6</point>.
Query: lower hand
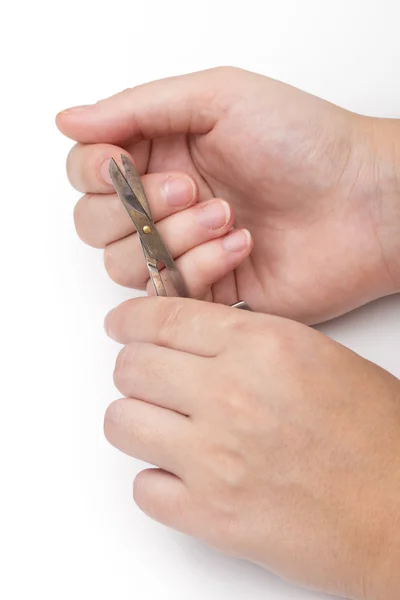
<point>273,442</point>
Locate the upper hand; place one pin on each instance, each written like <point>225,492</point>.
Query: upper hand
<point>313,183</point>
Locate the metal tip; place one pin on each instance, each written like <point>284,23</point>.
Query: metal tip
<point>113,168</point>
<point>129,165</point>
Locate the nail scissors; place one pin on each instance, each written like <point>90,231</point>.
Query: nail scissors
<point>131,193</point>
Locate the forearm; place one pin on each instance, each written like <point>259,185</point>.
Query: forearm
<point>383,581</point>
<point>385,578</point>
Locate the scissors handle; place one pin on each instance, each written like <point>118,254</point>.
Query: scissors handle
<point>242,305</point>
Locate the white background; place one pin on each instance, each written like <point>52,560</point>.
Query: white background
<point>68,526</point>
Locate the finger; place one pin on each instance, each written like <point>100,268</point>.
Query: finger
<point>190,326</point>
<point>87,167</point>
<point>164,498</point>
<point>155,435</point>
<point>207,264</point>
<point>180,232</point>
<point>103,219</point>
<point>161,376</point>
<point>188,104</point>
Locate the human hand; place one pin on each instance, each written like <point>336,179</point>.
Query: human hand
<point>200,237</point>
<point>314,184</point>
<point>275,443</point>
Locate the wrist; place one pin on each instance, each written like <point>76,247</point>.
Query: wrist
<point>381,166</point>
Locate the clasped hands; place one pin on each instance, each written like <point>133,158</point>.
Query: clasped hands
<point>271,442</point>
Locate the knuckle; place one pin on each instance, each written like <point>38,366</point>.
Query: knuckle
<point>127,421</point>
<point>241,407</point>
<point>236,322</point>
<point>114,324</point>
<point>140,433</point>
<point>226,71</point>
<point>281,339</point>
<point>228,525</point>
<point>233,399</point>
<point>120,365</point>
<point>231,468</point>
<point>172,320</point>
<point>141,495</point>
<point>225,499</point>
<point>126,92</point>
<point>231,322</point>
<point>127,358</point>
<point>118,324</point>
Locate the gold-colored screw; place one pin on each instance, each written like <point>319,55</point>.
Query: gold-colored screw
<point>146,229</point>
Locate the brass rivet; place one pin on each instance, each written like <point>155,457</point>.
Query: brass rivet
<point>146,229</point>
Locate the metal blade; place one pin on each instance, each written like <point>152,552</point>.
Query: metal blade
<point>154,248</point>
<point>133,178</point>
<point>124,190</point>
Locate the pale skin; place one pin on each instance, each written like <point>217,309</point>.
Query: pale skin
<point>272,442</point>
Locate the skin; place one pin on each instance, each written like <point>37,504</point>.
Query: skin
<point>271,442</point>
<point>315,185</point>
<point>265,462</point>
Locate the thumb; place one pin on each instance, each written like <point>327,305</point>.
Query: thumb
<point>177,105</point>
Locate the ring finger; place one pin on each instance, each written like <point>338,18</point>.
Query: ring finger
<point>147,432</point>
<point>180,232</point>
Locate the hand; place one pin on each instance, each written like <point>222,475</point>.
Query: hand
<point>314,184</point>
<point>275,443</point>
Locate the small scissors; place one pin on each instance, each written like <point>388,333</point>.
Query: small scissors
<point>131,193</point>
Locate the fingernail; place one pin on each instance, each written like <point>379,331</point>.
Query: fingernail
<point>179,191</point>
<point>76,109</point>
<point>215,214</point>
<point>237,241</point>
<point>114,413</point>
<point>105,171</point>
<point>107,323</point>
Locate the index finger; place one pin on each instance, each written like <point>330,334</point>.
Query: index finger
<point>176,105</point>
<point>192,326</point>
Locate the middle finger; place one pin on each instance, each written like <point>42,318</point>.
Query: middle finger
<point>101,219</point>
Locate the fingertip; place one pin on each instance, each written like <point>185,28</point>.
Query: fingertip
<point>107,322</point>
<point>62,122</point>
<point>82,124</point>
<point>238,241</point>
<point>110,421</point>
<point>74,110</point>
<point>180,190</point>
<point>162,496</point>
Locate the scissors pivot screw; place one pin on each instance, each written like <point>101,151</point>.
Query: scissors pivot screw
<point>147,229</point>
